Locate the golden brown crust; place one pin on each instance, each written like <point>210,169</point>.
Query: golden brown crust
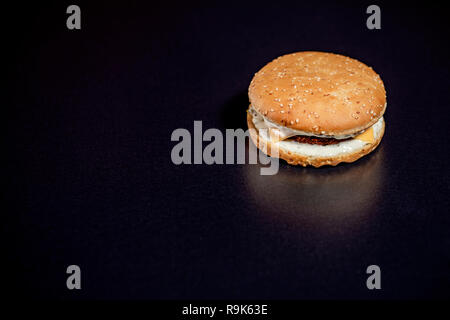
<point>298,159</point>
<point>318,92</point>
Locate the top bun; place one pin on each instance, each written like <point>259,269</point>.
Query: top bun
<point>319,93</point>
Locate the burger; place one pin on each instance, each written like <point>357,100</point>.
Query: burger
<point>315,108</point>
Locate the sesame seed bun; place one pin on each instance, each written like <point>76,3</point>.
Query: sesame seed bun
<point>319,93</point>
<point>297,158</point>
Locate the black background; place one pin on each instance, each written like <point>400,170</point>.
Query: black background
<point>91,182</point>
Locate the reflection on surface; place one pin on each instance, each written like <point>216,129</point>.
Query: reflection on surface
<point>327,199</point>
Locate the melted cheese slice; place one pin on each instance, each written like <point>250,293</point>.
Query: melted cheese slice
<point>277,135</point>
<point>367,136</point>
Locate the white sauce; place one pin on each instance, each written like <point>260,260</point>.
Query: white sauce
<point>288,132</point>
<point>314,150</point>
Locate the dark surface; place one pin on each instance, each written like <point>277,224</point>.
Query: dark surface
<point>91,182</point>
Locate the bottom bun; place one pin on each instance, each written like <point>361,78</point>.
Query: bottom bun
<point>296,158</point>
